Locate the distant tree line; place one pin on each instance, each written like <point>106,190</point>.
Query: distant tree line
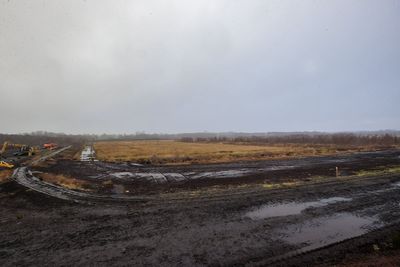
<point>324,139</point>
<point>380,138</point>
<point>34,140</point>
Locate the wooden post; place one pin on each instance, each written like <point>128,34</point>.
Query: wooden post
<point>337,172</point>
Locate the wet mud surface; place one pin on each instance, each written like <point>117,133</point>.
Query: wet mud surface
<point>231,226</point>
<point>137,178</point>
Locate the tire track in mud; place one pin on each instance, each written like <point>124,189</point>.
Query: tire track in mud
<point>262,192</point>
<point>237,173</point>
<point>281,260</point>
<point>277,260</point>
<point>21,176</point>
<point>52,154</point>
<point>24,177</point>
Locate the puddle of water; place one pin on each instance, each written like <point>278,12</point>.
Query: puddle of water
<point>177,177</point>
<point>236,172</point>
<point>277,210</point>
<point>278,168</point>
<point>290,208</point>
<point>88,154</point>
<point>122,175</point>
<point>135,164</point>
<point>150,176</point>
<point>154,177</point>
<point>328,230</point>
<point>333,200</point>
<point>221,174</point>
<point>393,186</point>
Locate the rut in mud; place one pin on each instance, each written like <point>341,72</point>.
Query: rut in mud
<point>231,226</point>
<point>139,179</point>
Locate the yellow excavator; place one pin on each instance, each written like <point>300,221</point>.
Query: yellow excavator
<point>3,149</point>
<point>4,164</point>
<point>7,144</point>
<point>24,150</point>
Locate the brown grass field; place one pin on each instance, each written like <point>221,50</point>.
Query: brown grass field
<point>65,181</point>
<point>176,152</point>
<point>5,174</point>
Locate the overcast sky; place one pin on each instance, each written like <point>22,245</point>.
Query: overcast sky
<point>212,65</point>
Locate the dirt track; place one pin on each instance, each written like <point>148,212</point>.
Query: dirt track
<point>202,225</point>
<point>139,179</point>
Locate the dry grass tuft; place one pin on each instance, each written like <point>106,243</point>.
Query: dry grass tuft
<point>65,181</point>
<point>175,152</point>
<point>379,171</point>
<point>5,175</point>
<point>108,184</point>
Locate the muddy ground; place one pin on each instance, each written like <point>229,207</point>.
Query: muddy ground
<point>210,219</point>
<point>148,179</point>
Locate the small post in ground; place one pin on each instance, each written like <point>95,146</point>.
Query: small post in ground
<point>337,172</point>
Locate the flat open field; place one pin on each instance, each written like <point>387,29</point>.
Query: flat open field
<point>278,212</point>
<point>291,212</point>
<point>175,152</point>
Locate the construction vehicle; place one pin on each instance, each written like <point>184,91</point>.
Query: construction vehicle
<point>33,150</point>
<point>24,150</point>
<point>4,148</point>
<point>7,144</point>
<point>4,164</point>
<point>50,146</point>
<point>27,151</point>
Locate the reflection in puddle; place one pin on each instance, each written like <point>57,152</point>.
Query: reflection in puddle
<point>328,230</point>
<point>291,208</point>
<point>150,176</point>
<point>221,174</point>
<point>88,154</point>
<point>333,200</point>
<point>278,168</point>
<point>154,177</point>
<point>122,174</point>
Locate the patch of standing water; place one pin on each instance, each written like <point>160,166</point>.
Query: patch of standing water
<point>122,174</point>
<point>333,200</point>
<point>290,208</point>
<point>324,231</point>
<point>393,186</point>
<point>154,177</point>
<point>220,174</point>
<point>88,154</point>
<point>278,168</point>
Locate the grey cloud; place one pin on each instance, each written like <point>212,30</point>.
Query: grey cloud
<point>172,66</point>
